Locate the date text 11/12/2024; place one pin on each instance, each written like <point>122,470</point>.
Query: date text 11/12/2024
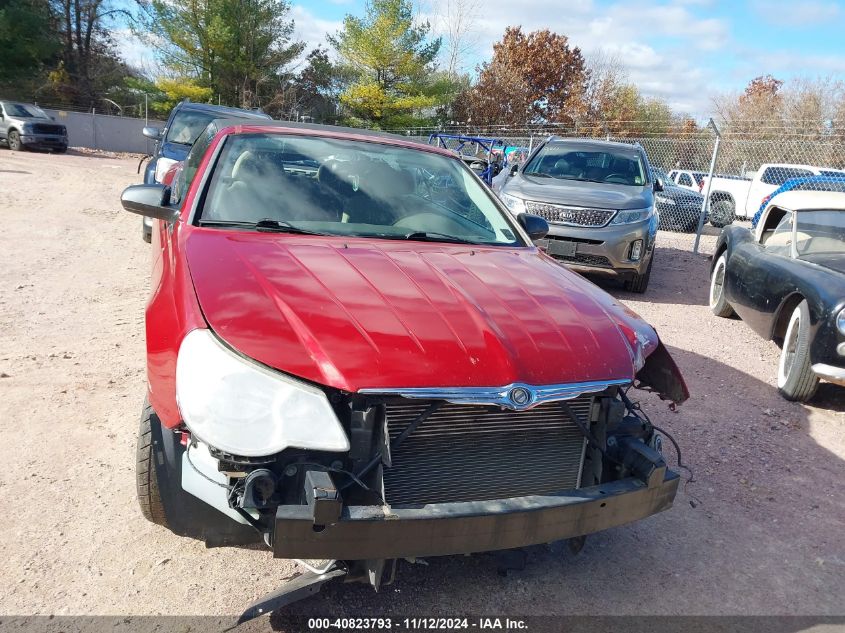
<point>418,624</point>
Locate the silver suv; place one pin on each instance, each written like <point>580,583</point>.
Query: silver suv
<point>598,198</point>
<point>23,125</point>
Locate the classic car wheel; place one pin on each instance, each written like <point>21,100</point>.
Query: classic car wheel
<point>15,141</point>
<point>796,379</point>
<point>718,304</point>
<point>146,480</point>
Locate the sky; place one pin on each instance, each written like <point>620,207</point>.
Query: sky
<point>684,51</point>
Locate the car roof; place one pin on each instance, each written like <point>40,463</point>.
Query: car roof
<point>223,111</point>
<point>797,200</point>
<point>327,130</point>
<point>592,142</point>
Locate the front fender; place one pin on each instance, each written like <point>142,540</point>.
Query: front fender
<point>661,375</point>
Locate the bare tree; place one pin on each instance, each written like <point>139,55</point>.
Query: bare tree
<point>456,20</point>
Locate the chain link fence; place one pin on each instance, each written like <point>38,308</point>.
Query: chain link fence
<point>747,172</point>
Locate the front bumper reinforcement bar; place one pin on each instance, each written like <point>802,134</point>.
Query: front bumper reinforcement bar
<point>374,532</point>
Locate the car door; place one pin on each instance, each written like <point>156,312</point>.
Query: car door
<point>685,180</point>
<point>759,278</point>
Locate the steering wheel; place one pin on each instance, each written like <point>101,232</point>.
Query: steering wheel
<point>619,177</point>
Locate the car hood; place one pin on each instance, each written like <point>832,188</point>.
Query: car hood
<point>357,313</point>
<point>579,193</point>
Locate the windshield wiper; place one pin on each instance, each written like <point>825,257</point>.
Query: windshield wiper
<point>427,236</point>
<point>265,225</point>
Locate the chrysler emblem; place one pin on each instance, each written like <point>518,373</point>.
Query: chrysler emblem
<point>520,396</point>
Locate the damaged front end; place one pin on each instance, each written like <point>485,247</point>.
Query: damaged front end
<point>416,472</point>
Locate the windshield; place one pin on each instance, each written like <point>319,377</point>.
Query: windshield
<point>24,111</point>
<point>820,232</point>
<point>355,188</point>
<point>187,126</point>
<point>570,161</point>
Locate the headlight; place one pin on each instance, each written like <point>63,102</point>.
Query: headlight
<point>26,128</point>
<point>162,165</point>
<point>840,321</point>
<point>516,205</point>
<point>629,217</point>
<point>242,408</point>
<point>664,200</point>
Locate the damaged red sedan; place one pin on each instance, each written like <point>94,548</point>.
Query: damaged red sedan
<point>355,354</point>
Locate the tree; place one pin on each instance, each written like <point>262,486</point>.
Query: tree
<point>456,19</point>
<point>390,61</point>
<point>89,64</point>
<point>28,39</point>
<point>240,49</point>
<point>538,78</point>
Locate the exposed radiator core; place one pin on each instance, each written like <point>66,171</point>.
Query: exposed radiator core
<point>475,453</point>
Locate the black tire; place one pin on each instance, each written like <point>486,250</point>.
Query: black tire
<point>146,479</point>
<point>722,213</point>
<point>718,303</point>
<point>639,283</point>
<point>796,379</point>
<point>61,150</point>
<point>14,141</point>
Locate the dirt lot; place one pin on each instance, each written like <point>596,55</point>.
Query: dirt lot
<point>761,529</point>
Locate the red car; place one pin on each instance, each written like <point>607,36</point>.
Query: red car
<point>356,355</point>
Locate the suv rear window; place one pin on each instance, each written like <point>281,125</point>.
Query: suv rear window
<point>187,125</point>
<point>779,175</point>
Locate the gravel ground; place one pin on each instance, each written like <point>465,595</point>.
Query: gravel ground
<point>760,530</point>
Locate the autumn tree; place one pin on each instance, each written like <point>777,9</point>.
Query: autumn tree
<point>390,60</point>
<point>532,78</point>
<point>757,111</point>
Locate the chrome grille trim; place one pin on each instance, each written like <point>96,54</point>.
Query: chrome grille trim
<point>570,216</point>
<point>501,396</point>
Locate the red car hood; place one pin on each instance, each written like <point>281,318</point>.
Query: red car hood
<point>364,313</point>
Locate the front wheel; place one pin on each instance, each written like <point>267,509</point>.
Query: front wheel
<point>796,379</point>
<point>146,479</point>
<point>718,303</point>
<point>722,213</point>
<point>639,283</point>
<point>15,141</point>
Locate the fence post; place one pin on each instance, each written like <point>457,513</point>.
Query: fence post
<point>705,204</point>
<point>94,128</point>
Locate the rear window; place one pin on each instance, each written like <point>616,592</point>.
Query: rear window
<point>186,126</point>
<point>779,175</point>
<point>685,180</point>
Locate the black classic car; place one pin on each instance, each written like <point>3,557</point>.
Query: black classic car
<point>787,282</point>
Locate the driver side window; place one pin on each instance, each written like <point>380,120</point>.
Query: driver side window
<point>779,239</point>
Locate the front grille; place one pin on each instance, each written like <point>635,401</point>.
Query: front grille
<point>46,128</point>
<point>582,259</point>
<point>476,453</point>
<point>570,216</point>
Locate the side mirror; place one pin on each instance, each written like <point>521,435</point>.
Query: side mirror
<point>536,227</point>
<point>152,132</point>
<point>658,185</point>
<point>514,168</point>
<point>149,200</point>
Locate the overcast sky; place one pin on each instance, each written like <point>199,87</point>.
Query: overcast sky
<point>684,51</point>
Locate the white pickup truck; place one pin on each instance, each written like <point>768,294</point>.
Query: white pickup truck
<point>733,197</point>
